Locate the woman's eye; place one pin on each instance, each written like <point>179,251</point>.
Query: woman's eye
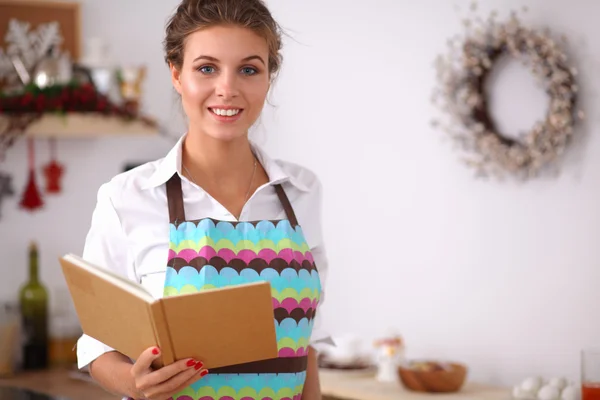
<point>207,69</point>
<point>249,71</point>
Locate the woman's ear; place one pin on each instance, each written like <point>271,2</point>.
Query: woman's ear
<point>175,77</point>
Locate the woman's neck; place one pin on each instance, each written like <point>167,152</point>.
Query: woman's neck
<point>214,163</point>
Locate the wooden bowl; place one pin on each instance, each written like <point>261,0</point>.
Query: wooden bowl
<point>446,380</point>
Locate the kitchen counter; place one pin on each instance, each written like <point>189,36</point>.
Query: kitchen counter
<point>60,385</point>
<point>56,383</point>
<point>357,386</point>
<point>12,393</point>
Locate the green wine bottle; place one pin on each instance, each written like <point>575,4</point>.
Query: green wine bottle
<point>33,298</point>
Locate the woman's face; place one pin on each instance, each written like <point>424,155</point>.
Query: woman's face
<point>224,80</point>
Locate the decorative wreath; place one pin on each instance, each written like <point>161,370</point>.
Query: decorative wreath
<point>462,75</point>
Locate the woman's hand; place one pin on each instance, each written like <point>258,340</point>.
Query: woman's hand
<point>162,383</point>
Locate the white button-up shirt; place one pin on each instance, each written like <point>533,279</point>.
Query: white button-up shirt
<point>129,232</point>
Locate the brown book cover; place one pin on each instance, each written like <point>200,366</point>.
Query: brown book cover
<point>220,327</point>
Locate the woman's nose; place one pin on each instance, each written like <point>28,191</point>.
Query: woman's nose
<point>227,86</point>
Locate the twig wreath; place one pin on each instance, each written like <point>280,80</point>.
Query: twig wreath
<point>460,94</point>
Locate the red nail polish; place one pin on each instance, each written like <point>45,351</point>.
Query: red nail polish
<point>204,372</point>
<point>199,365</point>
<point>190,363</point>
<point>155,351</point>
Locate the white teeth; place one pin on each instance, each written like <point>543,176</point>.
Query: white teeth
<point>225,113</point>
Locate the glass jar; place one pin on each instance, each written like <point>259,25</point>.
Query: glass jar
<point>64,331</point>
<point>9,338</point>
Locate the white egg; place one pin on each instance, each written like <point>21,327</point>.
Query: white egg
<point>570,393</point>
<point>548,392</point>
<point>559,383</point>
<point>520,394</point>
<point>532,384</point>
<point>516,392</point>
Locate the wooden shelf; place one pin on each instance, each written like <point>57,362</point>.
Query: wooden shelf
<point>81,125</point>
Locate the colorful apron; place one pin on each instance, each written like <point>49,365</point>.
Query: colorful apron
<point>208,253</point>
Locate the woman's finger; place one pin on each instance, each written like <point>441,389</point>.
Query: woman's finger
<point>144,362</point>
<point>177,382</point>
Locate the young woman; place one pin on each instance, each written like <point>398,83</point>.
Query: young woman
<point>216,184</point>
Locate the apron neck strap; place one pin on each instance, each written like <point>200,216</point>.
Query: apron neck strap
<point>175,199</point>
<point>287,206</point>
<point>177,212</point>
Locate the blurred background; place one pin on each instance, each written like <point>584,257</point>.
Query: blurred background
<point>499,274</point>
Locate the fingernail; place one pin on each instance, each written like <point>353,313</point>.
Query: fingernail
<point>155,351</point>
<point>199,365</point>
<point>190,363</point>
<point>204,372</point>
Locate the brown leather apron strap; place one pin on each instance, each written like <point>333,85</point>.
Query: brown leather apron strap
<point>281,365</point>
<point>175,199</point>
<point>287,206</point>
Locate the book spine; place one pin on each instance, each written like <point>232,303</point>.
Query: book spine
<point>161,332</point>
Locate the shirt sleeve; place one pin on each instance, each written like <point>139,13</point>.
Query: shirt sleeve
<point>105,246</point>
<point>319,333</point>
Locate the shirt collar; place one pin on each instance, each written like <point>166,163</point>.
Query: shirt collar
<point>171,164</point>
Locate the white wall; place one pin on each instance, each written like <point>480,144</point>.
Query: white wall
<point>502,276</point>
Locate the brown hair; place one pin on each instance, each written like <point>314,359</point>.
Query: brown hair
<point>192,15</point>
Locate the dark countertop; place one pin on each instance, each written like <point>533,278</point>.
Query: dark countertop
<point>52,384</point>
<point>10,393</point>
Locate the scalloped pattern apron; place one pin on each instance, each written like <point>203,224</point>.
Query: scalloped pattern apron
<point>209,253</point>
